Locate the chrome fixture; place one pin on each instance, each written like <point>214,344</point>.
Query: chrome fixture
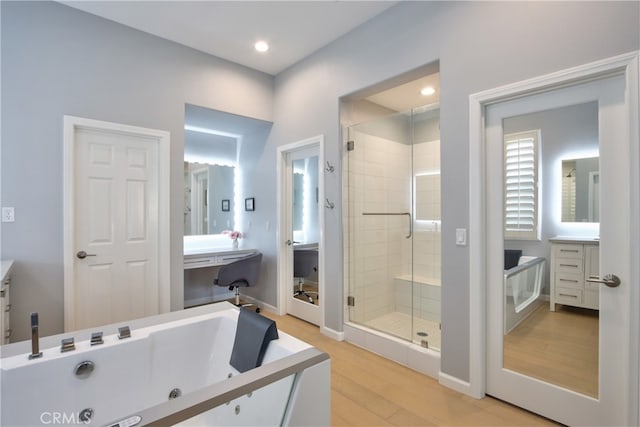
<point>611,280</point>
<point>329,167</point>
<point>394,214</point>
<point>86,415</point>
<point>35,343</point>
<point>84,369</point>
<point>83,254</point>
<point>96,338</point>
<point>124,332</point>
<point>67,344</point>
<point>175,393</point>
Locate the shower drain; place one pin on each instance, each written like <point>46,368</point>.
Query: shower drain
<point>422,334</point>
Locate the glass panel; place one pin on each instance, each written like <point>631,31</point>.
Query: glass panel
<point>264,406</point>
<point>394,225</point>
<point>557,341</point>
<point>426,227</point>
<point>380,207</point>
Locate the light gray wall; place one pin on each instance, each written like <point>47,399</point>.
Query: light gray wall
<point>57,60</point>
<point>480,46</point>
<point>564,133</point>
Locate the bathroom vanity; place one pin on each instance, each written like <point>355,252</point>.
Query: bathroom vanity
<point>5,302</point>
<point>573,261</point>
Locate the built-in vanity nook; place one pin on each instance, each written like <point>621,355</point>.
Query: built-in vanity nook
<point>573,261</point>
<point>218,201</point>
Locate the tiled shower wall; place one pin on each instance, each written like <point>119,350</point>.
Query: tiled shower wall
<point>426,237</point>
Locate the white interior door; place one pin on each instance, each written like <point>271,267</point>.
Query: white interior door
<point>612,404</point>
<point>112,270</point>
<point>300,228</point>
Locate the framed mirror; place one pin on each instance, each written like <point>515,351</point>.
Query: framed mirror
<point>580,190</point>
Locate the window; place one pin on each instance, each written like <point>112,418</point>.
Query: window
<point>521,219</point>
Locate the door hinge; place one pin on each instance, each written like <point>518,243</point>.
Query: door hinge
<point>350,145</point>
<point>351,301</point>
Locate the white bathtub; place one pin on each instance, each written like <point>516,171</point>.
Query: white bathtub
<point>140,372</point>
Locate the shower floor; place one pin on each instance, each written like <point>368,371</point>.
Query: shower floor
<point>399,324</point>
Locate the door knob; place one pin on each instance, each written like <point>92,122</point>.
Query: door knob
<point>611,280</point>
<point>83,254</point>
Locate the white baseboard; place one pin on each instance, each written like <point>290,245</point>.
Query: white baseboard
<point>332,333</point>
<point>454,383</point>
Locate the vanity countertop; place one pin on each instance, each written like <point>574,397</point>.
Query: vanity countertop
<point>6,266</point>
<point>575,239</point>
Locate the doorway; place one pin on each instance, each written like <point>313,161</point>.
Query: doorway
<point>116,231</point>
<point>612,245</point>
<point>301,207</point>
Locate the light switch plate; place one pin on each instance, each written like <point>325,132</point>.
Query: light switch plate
<point>461,236</point>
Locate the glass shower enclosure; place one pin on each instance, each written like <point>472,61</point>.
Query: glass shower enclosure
<point>393,221</point>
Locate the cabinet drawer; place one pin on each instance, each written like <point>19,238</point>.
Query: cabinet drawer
<point>569,265</point>
<point>568,251</point>
<point>568,296</point>
<point>567,280</point>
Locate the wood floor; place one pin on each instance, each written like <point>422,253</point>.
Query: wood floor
<point>368,390</point>
<point>558,347</point>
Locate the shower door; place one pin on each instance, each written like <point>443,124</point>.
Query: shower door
<point>381,182</point>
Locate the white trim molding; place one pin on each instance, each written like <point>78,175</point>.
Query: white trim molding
<point>283,263</point>
<point>626,64</point>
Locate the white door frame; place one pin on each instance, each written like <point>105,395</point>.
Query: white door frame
<point>162,138</point>
<point>285,262</point>
<point>628,65</point>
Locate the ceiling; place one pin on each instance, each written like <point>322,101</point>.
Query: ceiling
<point>406,96</point>
<point>229,29</point>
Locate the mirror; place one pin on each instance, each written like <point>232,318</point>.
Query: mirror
<point>305,201</point>
<point>208,198</point>
<point>306,232</point>
<point>580,190</point>
<point>551,182</point>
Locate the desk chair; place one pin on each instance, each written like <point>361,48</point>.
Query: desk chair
<point>305,263</point>
<point>243,272</point>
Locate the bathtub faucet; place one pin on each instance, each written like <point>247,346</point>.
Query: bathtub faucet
<point>35,345</point>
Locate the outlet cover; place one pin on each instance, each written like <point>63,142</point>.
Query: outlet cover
<point>8,214</point>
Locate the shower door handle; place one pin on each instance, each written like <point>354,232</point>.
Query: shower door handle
<point>408,236</point>
<point>611,280</point>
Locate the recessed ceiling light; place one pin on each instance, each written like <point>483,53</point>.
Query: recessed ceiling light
<point>261,46</point>
<point>426,91</point>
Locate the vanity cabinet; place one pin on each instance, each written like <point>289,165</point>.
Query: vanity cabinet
<point>573,261</point>
<point>5,303</point>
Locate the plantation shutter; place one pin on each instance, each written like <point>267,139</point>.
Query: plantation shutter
<point>521,185</point>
